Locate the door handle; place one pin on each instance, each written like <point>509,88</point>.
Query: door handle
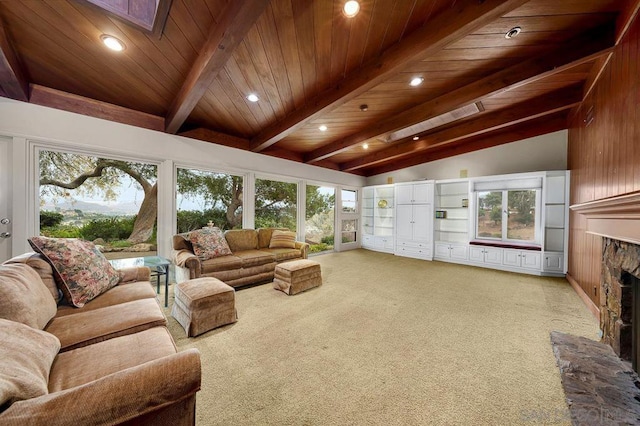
<point>5,235</point>
<point>5,221</point>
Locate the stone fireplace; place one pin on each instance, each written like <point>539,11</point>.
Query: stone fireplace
<point>620,297</point>
<point>617,220</point>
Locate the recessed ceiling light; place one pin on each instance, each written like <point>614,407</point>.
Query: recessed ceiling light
<point>513,32</point>
<point>351,8</point>
<point>416,81</point>
<point>112,42</point>
<point>323,128</point>
<point>365,146</point>
<point>415,138</point>
<point>253,97</point>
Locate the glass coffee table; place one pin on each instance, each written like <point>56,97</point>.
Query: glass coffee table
<point>159,268</point>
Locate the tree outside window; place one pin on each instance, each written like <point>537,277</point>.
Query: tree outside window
<point>111,202</point>
<point>203,197</point>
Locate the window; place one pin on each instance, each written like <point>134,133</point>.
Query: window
<point>109,201</point>
<point>508,210</point>
<point>320,218</point>
<point>276,204</point>
<point>349,219</point>
<point>204,197</point>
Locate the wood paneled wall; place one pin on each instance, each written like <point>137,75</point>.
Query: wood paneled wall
<point>604,153</point>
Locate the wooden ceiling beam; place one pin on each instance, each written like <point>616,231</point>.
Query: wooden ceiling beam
<point>529,129</point>
<point>13,80</point>
<point>53,98</point>
<point>234,24</point>
<point>577,52</point>
<point>453,24</point>
<point>625,18</point>
<point>212,136</point>
<point>548,104</point>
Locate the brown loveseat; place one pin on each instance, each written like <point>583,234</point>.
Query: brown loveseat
<point>251,260</point>
<point>112,361</point>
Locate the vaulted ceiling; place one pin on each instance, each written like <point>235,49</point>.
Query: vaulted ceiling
<point>189,65</point>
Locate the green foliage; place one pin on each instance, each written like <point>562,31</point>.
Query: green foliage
<point>50,219</point>
<point>496,214</point>
<point>61,231</point>
<point>327,240</point>
<point>188,220</point>
<point>276,204</point>
<point>317,248</point>
<point>112,229</point>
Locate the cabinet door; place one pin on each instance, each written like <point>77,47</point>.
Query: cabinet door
<point>442,250</point>
<point>459,252</point>
<point>511,257</point>
<point>531,260</point>
<point>476,254</point>
<point>422,193</point>
<point>493,255</point>
<point>422,222</point>
<point>404,221</point>
<point>367,241</point>
<point>404,194</point>
<point>553,262</point>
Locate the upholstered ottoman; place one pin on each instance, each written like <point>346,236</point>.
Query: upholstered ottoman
<point>203,304</point>
<point>297,275</point>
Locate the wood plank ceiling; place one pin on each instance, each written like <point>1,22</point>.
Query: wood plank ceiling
<point>310,65</point>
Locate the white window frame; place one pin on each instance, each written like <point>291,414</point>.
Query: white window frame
<point>342,216</point>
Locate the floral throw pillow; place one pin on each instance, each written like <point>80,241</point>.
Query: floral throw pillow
<point>80,270</point>
<point>209,243</point>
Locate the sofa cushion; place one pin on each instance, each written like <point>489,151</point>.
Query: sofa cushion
<point>223,263</point>
<point>209,243</point>
<point>24,297</point>
<point>26,355</point>
<point>86,328</point>
<point>264,236</point>
<point>81,271</point>
<point>255,257</point>
<point>40,264</point>
<point>282,254</point>
<point>78,366</point>
<point>282,239</point>
<point>122,293</point>
<point>242,239</point>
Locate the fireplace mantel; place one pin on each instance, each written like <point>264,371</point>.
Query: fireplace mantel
<point>616,217</point>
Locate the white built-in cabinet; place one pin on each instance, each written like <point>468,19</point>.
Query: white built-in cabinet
<point>436,220</point>
<point>378,207</point>
<point>414,220</point>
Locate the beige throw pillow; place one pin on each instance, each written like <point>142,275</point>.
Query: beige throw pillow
<point>24,297</point>
<point>283,239</point>
<point>81,271</point>
<point>26,355</point>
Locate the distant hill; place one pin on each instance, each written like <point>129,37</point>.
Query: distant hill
<point>119,209</point>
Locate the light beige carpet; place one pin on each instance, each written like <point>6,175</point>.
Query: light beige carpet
<point>391,341</point>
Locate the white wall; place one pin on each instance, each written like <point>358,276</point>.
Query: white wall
<point>28,124</point>
<point>546,152</point>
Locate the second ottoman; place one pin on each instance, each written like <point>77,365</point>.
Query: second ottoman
<point>203,304</point>
<point>297,275</point>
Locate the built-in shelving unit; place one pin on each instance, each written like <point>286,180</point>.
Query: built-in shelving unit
<point>451,226</point>
<point>378,217</point>
<point>414,220</point>
<point>556,218</point>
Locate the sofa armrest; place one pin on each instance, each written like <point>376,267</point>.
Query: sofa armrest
<point>304,249</point>
<point>186,259</point>
<point>115,398</point>
<point>134,274</point>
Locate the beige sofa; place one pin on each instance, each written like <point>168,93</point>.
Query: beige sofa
<point>116,362</point>
<point>251,260</point>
